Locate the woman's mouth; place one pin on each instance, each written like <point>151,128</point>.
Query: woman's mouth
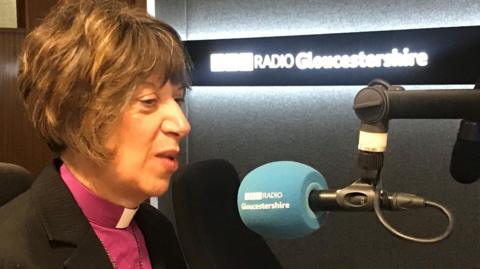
<point>168,160</point>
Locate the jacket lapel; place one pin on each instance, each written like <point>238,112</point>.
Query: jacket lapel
<point>162,244</point>
<point>152,240</point>
<point>65,223</point>
<point>89,253</point>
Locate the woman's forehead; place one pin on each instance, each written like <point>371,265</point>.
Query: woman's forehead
<point>154,79</point>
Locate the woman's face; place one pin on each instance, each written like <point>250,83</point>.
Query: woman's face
<point>146,140</point>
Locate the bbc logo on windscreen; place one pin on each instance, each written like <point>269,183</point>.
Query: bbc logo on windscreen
<point>253,196</point>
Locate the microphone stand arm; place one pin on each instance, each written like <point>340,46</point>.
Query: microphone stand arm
<point>381,102</point>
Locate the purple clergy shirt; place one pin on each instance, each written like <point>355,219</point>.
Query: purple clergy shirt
<point>113,224</point>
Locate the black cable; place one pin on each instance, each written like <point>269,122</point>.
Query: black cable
<point>444,235</point>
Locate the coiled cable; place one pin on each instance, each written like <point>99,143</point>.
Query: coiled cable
<point>444,235</point>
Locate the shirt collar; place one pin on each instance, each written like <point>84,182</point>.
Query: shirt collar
<point>96,209</point>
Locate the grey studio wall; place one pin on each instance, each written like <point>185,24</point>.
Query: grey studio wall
<point>250,126</point>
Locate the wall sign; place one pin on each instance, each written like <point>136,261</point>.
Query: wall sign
<point>421,56</point>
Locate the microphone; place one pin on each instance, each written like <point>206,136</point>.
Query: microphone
<point>14,180</point>
<point>465,161</point>
<point>273,200</point>
<point>286,200</point>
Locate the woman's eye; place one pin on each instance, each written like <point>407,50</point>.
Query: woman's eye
<point>180,100</point>
<point>149,102</point>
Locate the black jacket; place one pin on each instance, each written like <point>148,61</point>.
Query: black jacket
<point>45,228</point>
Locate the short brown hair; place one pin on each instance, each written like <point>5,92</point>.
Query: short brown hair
<point>78,69</point>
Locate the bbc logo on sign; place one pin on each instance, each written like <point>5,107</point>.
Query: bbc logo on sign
<point>231,62</point>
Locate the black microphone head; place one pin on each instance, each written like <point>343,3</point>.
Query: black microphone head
<point>209,226</point>
<point>465,162</point>
<point>14,180</point>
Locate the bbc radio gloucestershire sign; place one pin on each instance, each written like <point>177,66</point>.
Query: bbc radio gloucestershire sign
<point>422,56</point>
<point>305,60</point>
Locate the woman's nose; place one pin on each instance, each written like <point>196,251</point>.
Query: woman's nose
<point>176,122</point>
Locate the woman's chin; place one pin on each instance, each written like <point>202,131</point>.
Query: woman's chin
<point>157,189</point>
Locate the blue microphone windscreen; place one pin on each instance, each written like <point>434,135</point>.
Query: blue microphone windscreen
<point>273,200</point>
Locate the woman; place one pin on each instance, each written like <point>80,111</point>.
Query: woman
<point>102,84</point>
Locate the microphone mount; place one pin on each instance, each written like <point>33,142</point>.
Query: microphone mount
<point>360,196</point>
